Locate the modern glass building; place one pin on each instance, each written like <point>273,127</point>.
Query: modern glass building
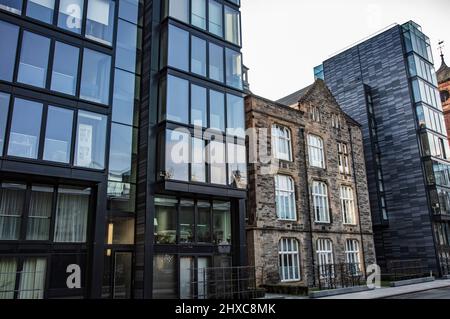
<point>122,147</point>
<point>388,84</point>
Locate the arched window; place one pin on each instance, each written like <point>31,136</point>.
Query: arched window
<point>285,198</point>
<point>315,150</point>
<point>281,143</point>
<point>315,114</point>
<point>348,205</point>
<point>325,257</point>
<point>352,257</point>
<point>289,259</point>
<point>320,202</point>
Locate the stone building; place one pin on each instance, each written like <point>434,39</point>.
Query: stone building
<point>308,202</point>
<point>443,77</point>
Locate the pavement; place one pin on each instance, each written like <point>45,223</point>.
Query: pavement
<point>438,289</point>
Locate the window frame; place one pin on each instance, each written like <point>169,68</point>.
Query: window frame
<point>325,255</point>
<point>293,216</point>
<point>292,256</point>
<point>276,137</point>
<point>347,200</point>
<point>324,198</point>
<point>316,150</point>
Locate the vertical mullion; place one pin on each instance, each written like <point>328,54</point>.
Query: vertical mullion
<point>42,132</point>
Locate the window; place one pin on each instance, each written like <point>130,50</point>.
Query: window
<point>90,140</point>
<point>127,46</point>
<point>237,165</point>
<point>198,166</point>
<point>343,159</point>
<point>325,258</point>
<point>178,48</point>
<point>177,96</point>
<point>216,66</point>
<point>289,259</point>
<point>235,116</point>
<point>95,77</point>
<point>315,149</point>
<point>100,20</point>
<point>65,68</point>
<point>11,209</point>
<point>4,107</point>
<point>25,129</point>
<point>233,68</point>
<point>216,156</point>
<point>281,139</point>
<point>14,6</point>
<point>130,10</point>
<point>71,214</point>
<point>320,202</point>
<point>121,197</point>
<point>198,14</point>
<point>204,222</point>
<point>41,10</point>
<point>198,56</point>
<point>165,276</point>
<point>122,156</point>
<point>34,59</point>
<point>121,231</point>
<point>285,198</point>
<point>9,34</point>
<point>215,22</point>
<point>217,110</point>
<point>232,26</point>
<point>198,106</point>
<point>177,155</point>
<point>179,9</point>
<point>70,15</point>
<point>187,221</point>
<point>352,256</point>
<point>126,92</point>
<point>336,121</point>
<point>40,212</point>
<point>31,278</point>
<point>58,135</point>
<point>165,220</point>
<point>347,205</point>
<point>222,223</point>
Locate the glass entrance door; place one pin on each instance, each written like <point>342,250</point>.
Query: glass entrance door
<point>194,277</point>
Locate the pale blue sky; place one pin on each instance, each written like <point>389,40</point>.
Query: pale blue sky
<point>284,39</point>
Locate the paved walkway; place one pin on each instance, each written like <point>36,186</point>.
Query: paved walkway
<point>393,291</point>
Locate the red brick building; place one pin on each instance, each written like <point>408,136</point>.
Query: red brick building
<point>443,76</point>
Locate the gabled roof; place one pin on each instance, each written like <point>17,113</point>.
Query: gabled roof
<point>293,98</point>
<point>443,74</point>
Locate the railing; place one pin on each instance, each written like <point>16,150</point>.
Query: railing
<point>224,283</point>
<point>333,276</point>
<point>405,269</point>
<point>444,262</point>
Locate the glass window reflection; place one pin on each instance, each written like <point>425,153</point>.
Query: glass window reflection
<point>9,34</point>
<point>95,76</point>
<point>65,68</point>
<point>178,53</point>
<point>100,20</point>
<point>58,135</point>
<point>165,220</point>
<point>41,10</point>
<point>198,56</point>
<point>122,153</point>
<point>70,15</point>
<point>4,107</point>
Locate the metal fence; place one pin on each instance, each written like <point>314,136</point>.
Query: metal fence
<point>224,283</point>
<point>444,262</point>
<point>333,276</point>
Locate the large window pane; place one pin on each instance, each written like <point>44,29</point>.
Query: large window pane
<point>126,93</point>
<point>72,215</point>
<point>90,143</point>
<point>41,10</point>
<point>222,223</point>
<point>232,26</point>
<point>198,16</point>
<point>8,42</point>
<point>165,277</point>
<point>198,56</point>
<point>4,107</point>
<point>177,100</point>
<point>121,231</point>
<point>58,135</point>
<point>70,15</point>
<point>216,153</point>
<point>204,222</point>
<point>8,272</point>
<point>198,106</point>
<point>179,9</point>
<point>237,165</point>
<point>216,71</point>
<point>14,6</point>
<point>215,23</point>
<point>100,20</point>
<point>234,68</point>
<point>32,278</point>
<point>217,110</point>
<point>165,220</point>
<point>95,77</point>
<point>34,59</point>
<point>187,213</point>
<point>11,208</point>
<point>235,116</point>
<point>40,213</point>
<point>129,10</point>
<point>25,129</point>
<point>121,197</point>
<point>178,48</point>
<point>177,155</point>
<point>127,46</point>
<point>65,68</point>
<point>122,154</point>
<point>198,167</point>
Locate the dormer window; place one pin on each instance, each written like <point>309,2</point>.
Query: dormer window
<point>315,114</point>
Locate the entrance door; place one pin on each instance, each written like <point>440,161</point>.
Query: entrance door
<point>194,277</point>
<point>122,275</point>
